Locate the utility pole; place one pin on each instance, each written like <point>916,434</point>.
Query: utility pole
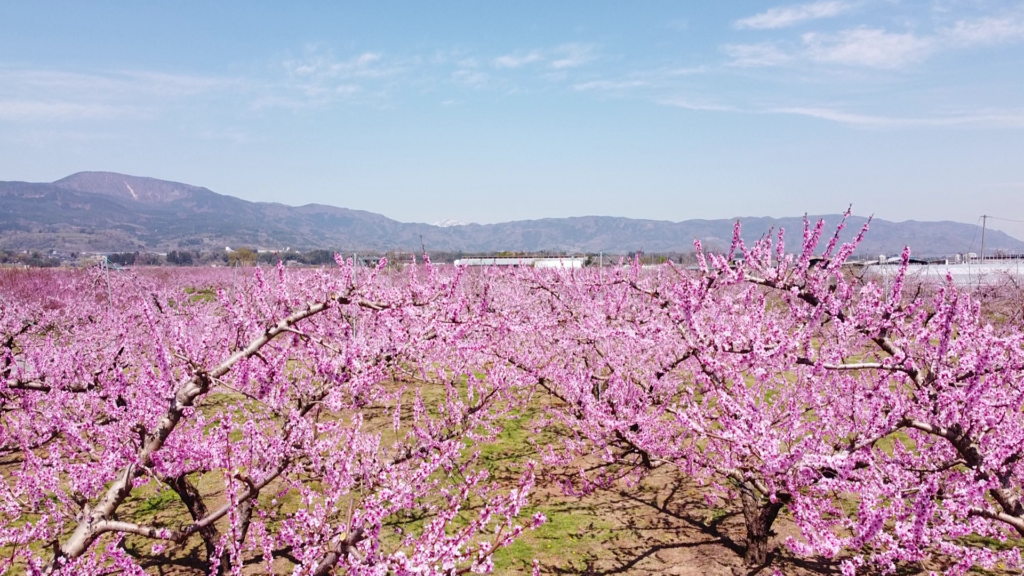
<point>984,221</point>
<point>106,272</point>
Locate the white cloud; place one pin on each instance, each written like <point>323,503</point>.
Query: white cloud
<point>318,78</point>
<point>686,71</point>
<point>990,30</point>
<point>347,89</point>
<point>518,60</point>
<point>572,55</point>
<point>871,47</point>
<point>967,119</point>
<point>112,85</point>
<point>560,57</point>
<point>864,46</point>
<point>697,105</point>
<point>58,136</point>
<point>471,78</point>
<point>34,111</point>
<point>839,116</point>
<point>783,16</point>
<point>28,95</point>
<point>609,85</point>
<point>175,85</point>
<point>973,119</point>
<point>321,64</point>
<point>763,54</point>
<point>232,135</point>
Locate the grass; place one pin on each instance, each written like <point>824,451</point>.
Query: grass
<point>159,502</point>
<point>574,529</point>
<point>568,540</point>
<point>661,526</point>
<point>201,294</point>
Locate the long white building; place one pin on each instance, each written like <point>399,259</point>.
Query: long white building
<point>524,262</point>
<point>988,273</point>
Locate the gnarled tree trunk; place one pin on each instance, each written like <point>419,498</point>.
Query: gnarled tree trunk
<point>758,515</point>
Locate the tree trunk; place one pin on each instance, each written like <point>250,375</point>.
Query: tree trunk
<point>193,500</point>
<point>190,496</point>
<point>244,519</point>
<point>758,516</point>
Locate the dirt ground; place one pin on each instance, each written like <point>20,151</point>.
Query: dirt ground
<point>663,527</point>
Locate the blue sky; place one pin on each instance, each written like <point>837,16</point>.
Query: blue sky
<point>487,112</point>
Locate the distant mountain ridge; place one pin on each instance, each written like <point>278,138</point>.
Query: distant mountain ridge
<point>106,211</point>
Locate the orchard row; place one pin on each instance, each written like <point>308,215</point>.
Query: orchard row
<point>285,419</point>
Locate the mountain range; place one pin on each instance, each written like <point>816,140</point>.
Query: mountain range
<point>105,211</point>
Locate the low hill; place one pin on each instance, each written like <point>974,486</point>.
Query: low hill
<point>105,211</point>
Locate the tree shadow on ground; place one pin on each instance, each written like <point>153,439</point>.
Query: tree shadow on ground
<point>665,527</point>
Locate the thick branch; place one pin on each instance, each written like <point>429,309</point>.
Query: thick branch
<point>339,548</point>
<point>1014,521</point>
<point>973,458</point>
<point>92,524</point>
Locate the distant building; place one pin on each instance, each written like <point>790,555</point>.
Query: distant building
<point>965,274</point>
<point>524,262</point>
<point>559,262</point>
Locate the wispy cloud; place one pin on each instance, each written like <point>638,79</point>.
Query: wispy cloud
<point>472,78</point>
<point>314,77</point>
<point>699,105</point>
<point>232,135</point>
<point>685,71</point>
<point>784,16</point>
<point>867,47</point>
<point>650,82</point>
<point>518,60</point>
<point>32,95</point>
<point>842,117</point>
<point>572,55</point>
<point>975,119</point>
<point>319,63</point>
<point>761,54</point>
<point>318,78</point>
<point>560,57</point>
<point>989,30</point>
<point>111,85</point>
<point>609,85</point>
<point>59,111</point>
<point>175,85</point>
<point>864,46</point>
<point>968,119</point>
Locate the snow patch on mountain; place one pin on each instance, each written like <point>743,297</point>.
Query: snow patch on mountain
<point>446,223</point>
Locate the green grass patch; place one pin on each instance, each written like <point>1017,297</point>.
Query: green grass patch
<point>570,539</point>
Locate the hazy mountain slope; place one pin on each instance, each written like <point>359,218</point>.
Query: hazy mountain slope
<point>610,234</point>
<point>133,188</point>
<point>107,211</point>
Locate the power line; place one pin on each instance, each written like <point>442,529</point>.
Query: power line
<point>975,235</point>
<point>1007,219</point>
<point>994,218</point>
